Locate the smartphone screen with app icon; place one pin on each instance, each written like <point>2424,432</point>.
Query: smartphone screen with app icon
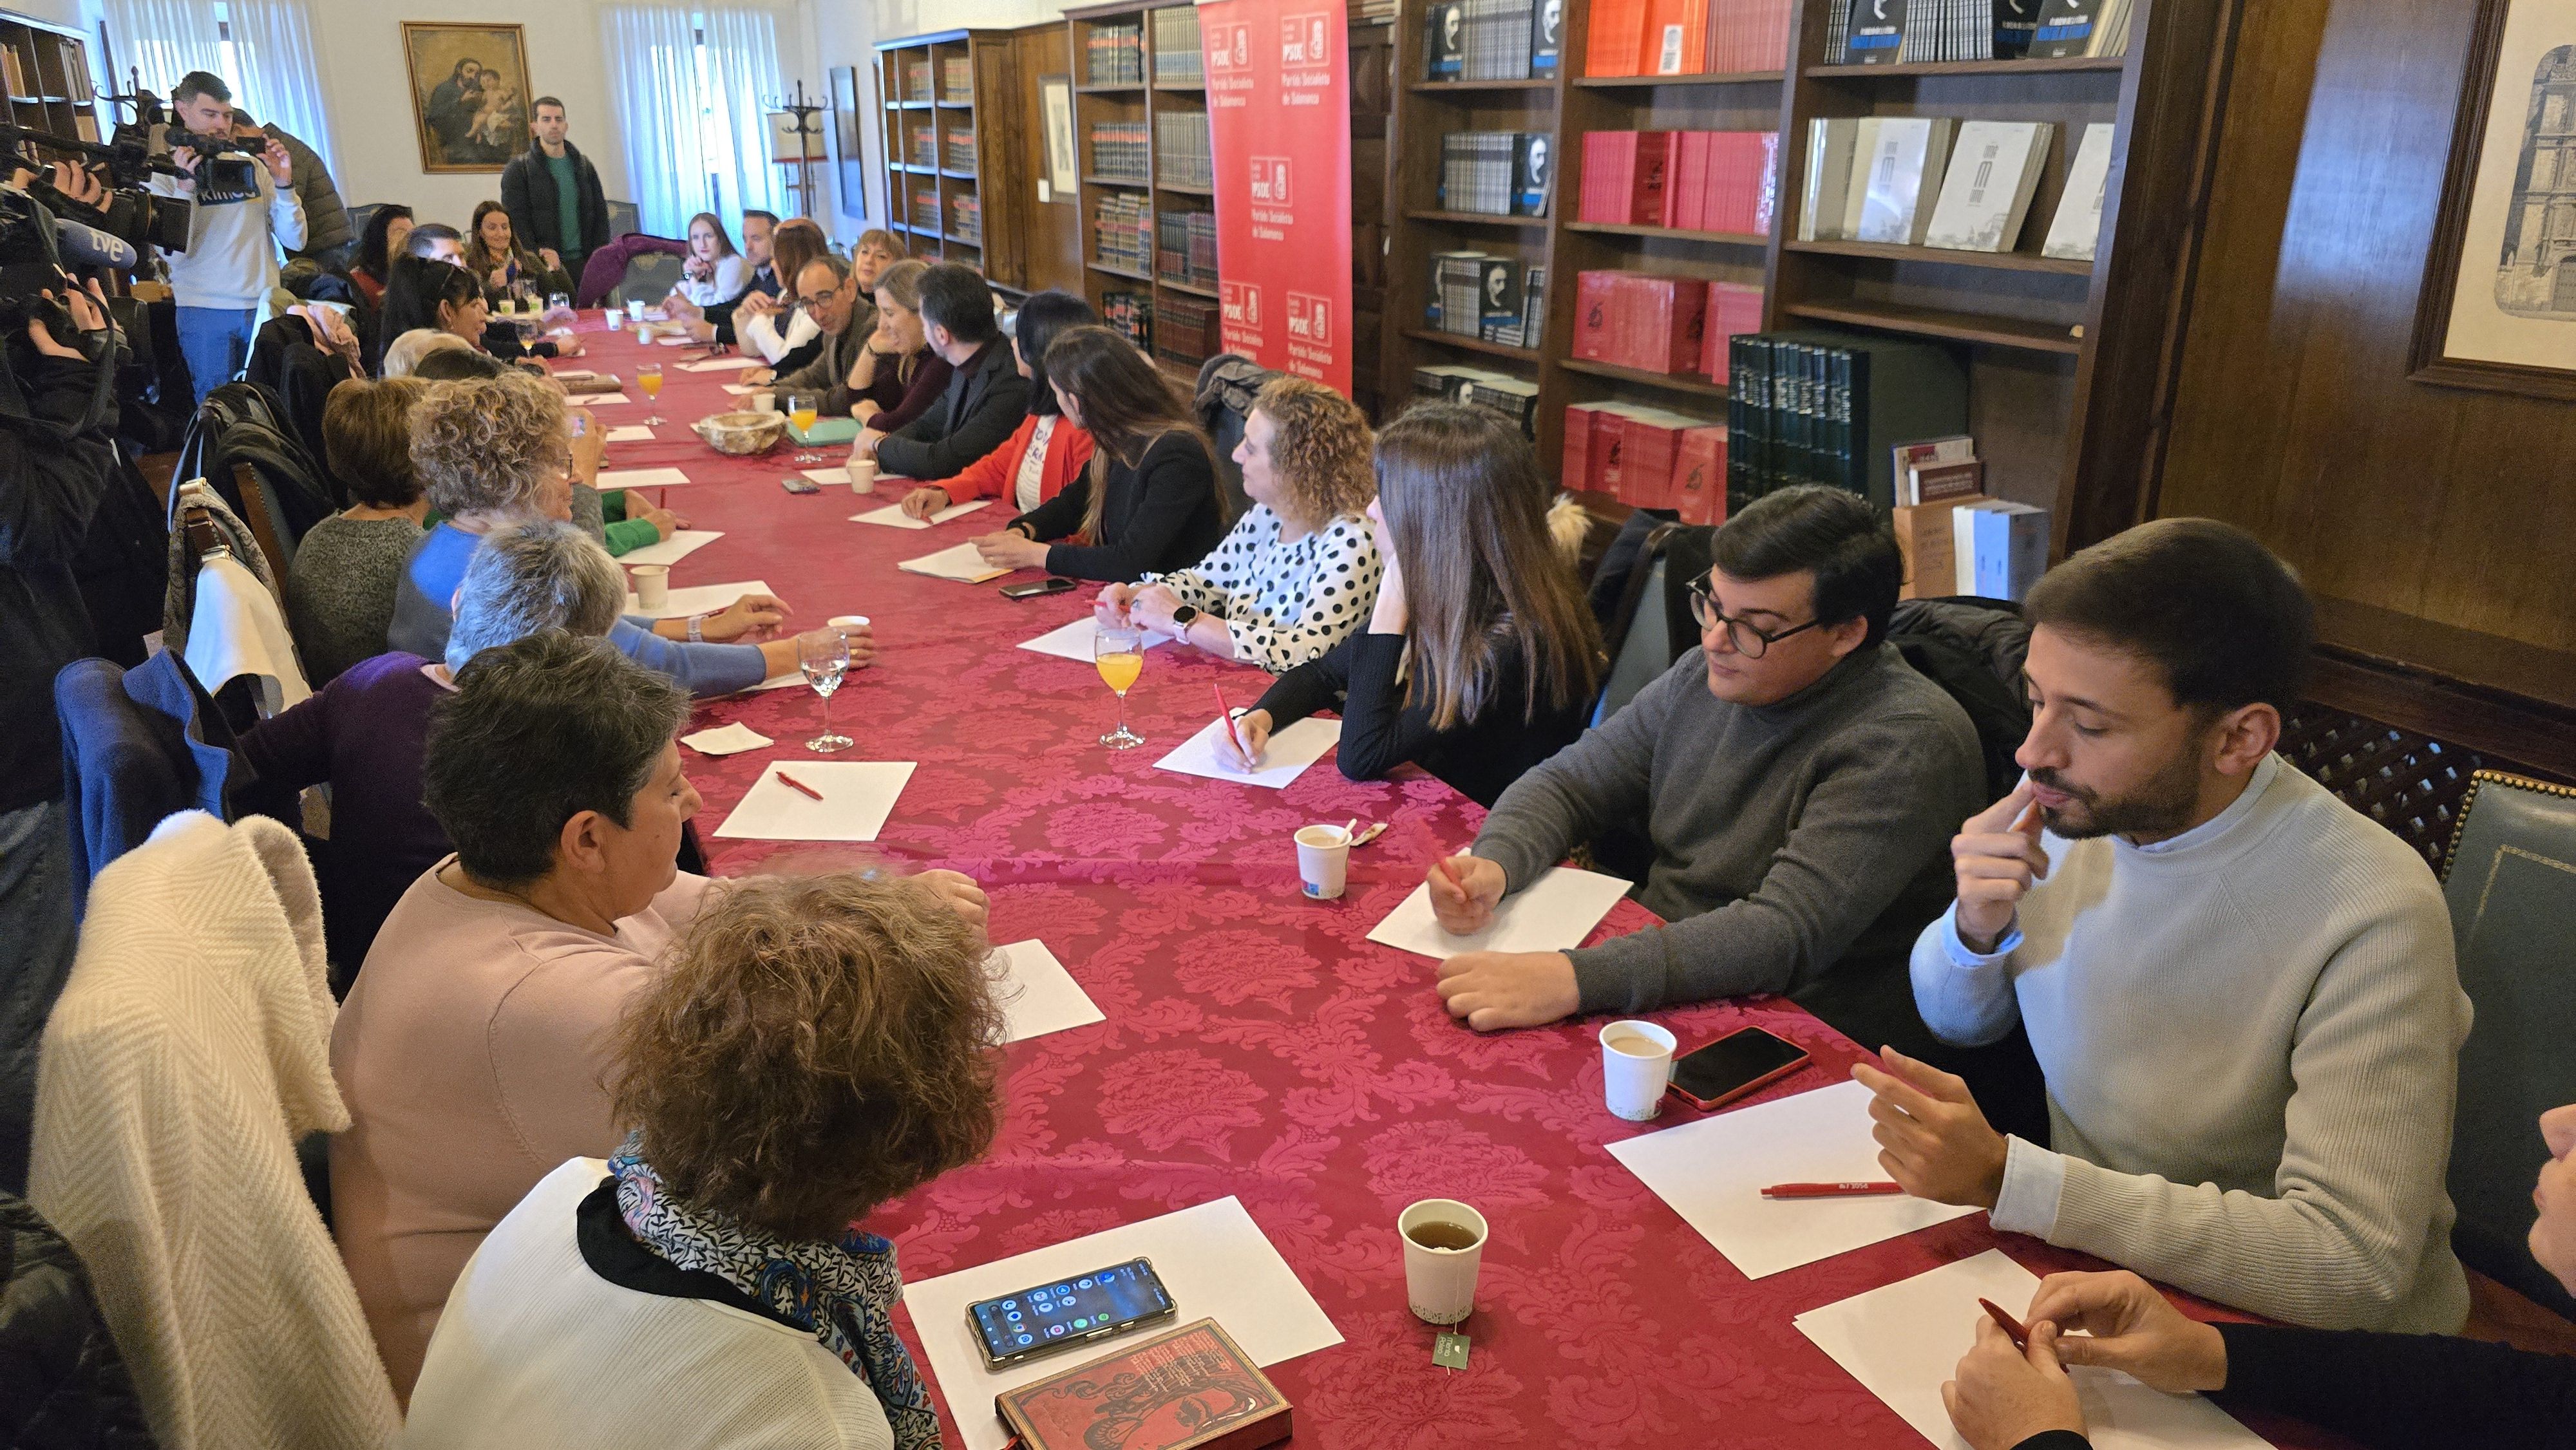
<point>1047,1318</point>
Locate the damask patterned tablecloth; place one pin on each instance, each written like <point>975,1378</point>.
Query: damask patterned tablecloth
<point>1256,1044</point>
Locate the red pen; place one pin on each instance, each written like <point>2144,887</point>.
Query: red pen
<point>1447,872</point>
<point>1225,713</point>
<point>793,783</point>
<point>2012,1326</point>
<point>1831,1190</point>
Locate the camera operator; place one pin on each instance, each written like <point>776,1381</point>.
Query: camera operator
<point>244,212</point>
<point>57,461</point>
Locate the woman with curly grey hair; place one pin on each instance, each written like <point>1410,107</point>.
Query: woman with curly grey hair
<point>492,450</point>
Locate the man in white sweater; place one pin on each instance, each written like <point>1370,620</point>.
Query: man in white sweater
<point>242,214</point>
<point>2241,991</point>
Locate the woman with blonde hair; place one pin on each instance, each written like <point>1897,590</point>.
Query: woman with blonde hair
<point>810,1050</point>
<point>1481,658</point>
<point>1300,570</point>
<point>897,376</point>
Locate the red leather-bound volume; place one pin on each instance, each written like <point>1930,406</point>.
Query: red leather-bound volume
<point>1595,293</point>
<point>1190,1389</point>
<point>1699,476</point>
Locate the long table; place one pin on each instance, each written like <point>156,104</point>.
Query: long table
<point>1256,1044</point>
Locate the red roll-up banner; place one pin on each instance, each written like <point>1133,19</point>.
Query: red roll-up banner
<point>1279,130</point>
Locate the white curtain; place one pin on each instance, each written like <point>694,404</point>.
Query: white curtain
<point>281,81</point>
<point>652,53</point>
<point>164,39</point>
<point>693,134</point>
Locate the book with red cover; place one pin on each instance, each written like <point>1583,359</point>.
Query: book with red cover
<point>1593,299</point>
<point>1664,317</point>
<point>1699,476</point>
<point>1609,433</point>
<point>1649,444</point>
<point>1190,1389</point>
<point>1648,177</point>
<point>1575,470</point>
<point>1733,307</point>
<point>1616,38</point>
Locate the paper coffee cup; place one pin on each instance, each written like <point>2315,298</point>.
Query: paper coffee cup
<point>863,474</point>
<point>1636,1064</point>
<point>764,402</point>
<point>616,319</point>
<point>652,585</point>
<point>1323,857</point>
<point>635,310</point>
<point>1440,1275</point>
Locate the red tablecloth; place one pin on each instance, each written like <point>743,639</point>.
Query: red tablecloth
<point>1256,1044</point>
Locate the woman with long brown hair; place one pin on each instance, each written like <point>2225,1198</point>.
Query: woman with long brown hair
<point>506,269</point>
<point>1150,500</point>
<point>1481,658</point>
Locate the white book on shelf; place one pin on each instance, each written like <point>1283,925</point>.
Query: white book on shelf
<point>1904,176</point>
<point>2078,227</point>
<point>1986,194</point>
<point>1856,186</point>
<point>1830,142</point>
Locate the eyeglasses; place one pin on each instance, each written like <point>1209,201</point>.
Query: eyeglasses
<point>1747,640</point>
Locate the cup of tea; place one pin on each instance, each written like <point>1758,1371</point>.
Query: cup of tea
<point>1636,1064</point>
<point>1323,859</point>
<point>652,585</point>
<point>765,403</point>
<point>1444,1246</point>
<point>863,474</point>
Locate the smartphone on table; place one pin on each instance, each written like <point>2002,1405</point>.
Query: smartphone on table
<point>1052,584</point>
<point>1049,1318</point>
<point>1741,1062</point>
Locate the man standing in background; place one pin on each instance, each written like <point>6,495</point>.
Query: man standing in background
<point>552,194</point>
<point>234,232</point>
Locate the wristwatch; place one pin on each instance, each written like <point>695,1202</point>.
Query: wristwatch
<point>1182,616</point>
<point>697,629</point>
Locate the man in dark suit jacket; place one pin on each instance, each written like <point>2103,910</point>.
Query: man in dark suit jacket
<point>986,395</point>
<point>564,228</point>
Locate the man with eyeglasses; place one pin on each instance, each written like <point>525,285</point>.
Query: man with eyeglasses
<point>1799,783</point>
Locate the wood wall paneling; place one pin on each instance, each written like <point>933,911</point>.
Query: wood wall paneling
<point>1051,243</point>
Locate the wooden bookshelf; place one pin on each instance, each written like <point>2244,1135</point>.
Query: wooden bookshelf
<point>48,79</point>
<point>1170,87</point>
<point>922,186</point>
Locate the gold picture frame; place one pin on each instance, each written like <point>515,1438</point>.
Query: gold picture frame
<point>470,94</point>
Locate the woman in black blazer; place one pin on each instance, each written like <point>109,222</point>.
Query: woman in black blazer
<point>1149,503</point>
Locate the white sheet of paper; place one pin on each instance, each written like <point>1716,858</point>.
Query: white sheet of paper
<point>701,599</point>
<point>1039,995</point>
<point>1553,915</point>
<point>1903,1340</point>
<point>1073,640</point>
<point>731,739</point>
<point>793,679</point>
<point>893,516</point>
<point>681,544</point>
<point>720,364</point>
<point>677,339</point>
<point>1213,1258</point>
<point>631,433</point>
<point>1713,1172</point>
<point>596,400</point>
<point>960,562</point>
<point>829,477</point>
<point>1282,761</point>
<point>640,477</point>
<point>740,389</point>
<point>858,795</point>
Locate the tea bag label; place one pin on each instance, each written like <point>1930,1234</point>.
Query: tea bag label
<point>1449,1351</point>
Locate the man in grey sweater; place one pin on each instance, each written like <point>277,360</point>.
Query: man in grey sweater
<point>2241,990</point>
<point>1797,779</point>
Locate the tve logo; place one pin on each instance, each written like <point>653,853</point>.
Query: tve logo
<point>1270,180</point>
<point>1310,318</point>
<point>1242,303</point>
<point>1305,42</point>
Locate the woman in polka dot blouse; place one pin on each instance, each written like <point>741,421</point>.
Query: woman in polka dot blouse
<point>1300,570</point>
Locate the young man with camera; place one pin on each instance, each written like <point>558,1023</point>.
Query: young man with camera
<point>244,210</point>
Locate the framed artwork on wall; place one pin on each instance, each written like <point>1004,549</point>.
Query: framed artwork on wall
<point>1055,95</point>
<point>470,95</point>
<point>849,139</point>
<point>2498,308</point>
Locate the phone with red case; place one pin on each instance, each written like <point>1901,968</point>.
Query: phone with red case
<point>1742,1062</point>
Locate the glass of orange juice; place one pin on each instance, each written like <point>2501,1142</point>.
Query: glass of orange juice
<point>1119,653</point>
<point>648,376</point>
<point>802,410</point>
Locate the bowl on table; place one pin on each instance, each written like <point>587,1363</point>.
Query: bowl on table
<point>742,432</point>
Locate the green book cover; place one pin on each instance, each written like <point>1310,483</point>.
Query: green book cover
<point>1899,392</point>
<point>826,430</point>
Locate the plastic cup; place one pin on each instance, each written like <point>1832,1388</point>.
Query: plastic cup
<point>765,403</point>
<point>652,585</point>
<point>635,310</point>
<point>863,475</point>
<point>1323,856</point>
<point>846,623</point>
<point>1440,1275</point>
<point>616,320</point>
<point>1636,1064</point>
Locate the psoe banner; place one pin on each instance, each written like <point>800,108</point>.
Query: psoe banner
<point>1279,130</point>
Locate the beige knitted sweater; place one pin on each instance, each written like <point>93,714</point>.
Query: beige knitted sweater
<point>189,1050</point>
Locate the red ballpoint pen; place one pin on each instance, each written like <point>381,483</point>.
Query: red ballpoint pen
<point>794,784</point>
<point>2012,1326</point>
<point>1831,1190</point>
<point>1225,712</point>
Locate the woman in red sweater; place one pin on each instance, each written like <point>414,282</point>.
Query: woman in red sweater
<point>1047,451</point>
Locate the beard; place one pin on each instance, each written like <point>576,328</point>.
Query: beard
<point>2163,805</point>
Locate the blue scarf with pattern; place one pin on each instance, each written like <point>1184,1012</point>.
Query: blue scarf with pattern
<point>842,1293</point>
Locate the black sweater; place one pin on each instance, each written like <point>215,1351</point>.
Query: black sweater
<point>50,486</point>
<point>2393,1391</point>
<point>1380,731</point>
<point>1160,515</point>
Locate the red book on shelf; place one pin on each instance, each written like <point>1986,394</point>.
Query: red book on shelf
<point>1609,431</point>
<point>1664,317</point>
<point>1594,297</point>
<point>1690,163</point>
<point>1699,476</point>
<point>1616,38</point>
<point>1648,176</point>
<point>1733,307</point>
<point>1575,470</point>
<point>1649,446</point>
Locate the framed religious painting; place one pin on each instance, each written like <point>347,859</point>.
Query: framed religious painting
<point>2498,309</point>
<point>470,97</point>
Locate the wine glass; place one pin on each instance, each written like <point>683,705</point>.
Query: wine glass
<point>824,656</point>
<point>648,376</point>
<point>1118,651</point>
<point>802,410</point>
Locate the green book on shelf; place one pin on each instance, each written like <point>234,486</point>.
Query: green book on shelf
<point>826,430</point>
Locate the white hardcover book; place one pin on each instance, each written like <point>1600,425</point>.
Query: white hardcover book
<point>1986,195</point>
<point>1904,176</point>
<point>1830,143</point>
<point>2078,227</point>
<point>1856,186</point>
